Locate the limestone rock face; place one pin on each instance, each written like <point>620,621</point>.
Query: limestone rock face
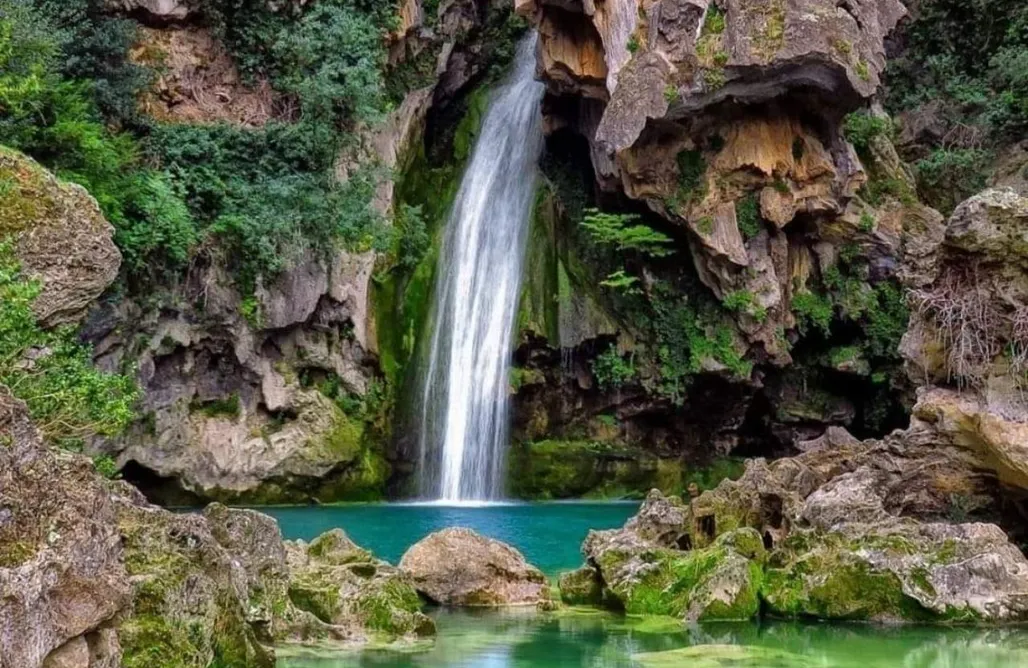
<point>93,576</point>
<point>353,594</point>
<point>229,411</point>
<point>967,336</point>
<point>458,567</point>
<point>61,238</point>
<point>62,580</point>
<point>160,12</point>
<point>830,534</point>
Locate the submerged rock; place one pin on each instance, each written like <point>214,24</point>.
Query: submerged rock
<point>458,567</point>
<point>725,656</point>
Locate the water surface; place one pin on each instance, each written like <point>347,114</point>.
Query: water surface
<point>550,535</point>
<point>599,640</point>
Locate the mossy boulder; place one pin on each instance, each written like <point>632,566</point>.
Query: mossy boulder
<point>60,237</point>
<point>581,587</point>
<point>720,582</point>
<point>959,573</point>
<point>351,592</point>
<point>189,607</point>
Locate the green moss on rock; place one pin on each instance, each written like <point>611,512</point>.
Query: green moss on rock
<point>556,469</point>
<point>581,587</point>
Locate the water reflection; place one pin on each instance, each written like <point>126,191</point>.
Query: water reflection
<point>592,640</point>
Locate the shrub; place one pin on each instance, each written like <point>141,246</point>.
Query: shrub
<point>747,214</point>
<point>413,240</point>
<point>52,373</point>
<point>814,311</point>
<point>612,370</point>
<point>949,176</point>
<point>862,128</point>
<point>624,232</point>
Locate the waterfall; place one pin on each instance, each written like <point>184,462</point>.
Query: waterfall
<point>464,426</point>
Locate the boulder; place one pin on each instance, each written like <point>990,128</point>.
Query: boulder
<point>458,567</point>
<point>60,236</point>
<point>831,533</point>
<point>93,576</point>
<point>190,598</point>
<point>356,595</point>
<point>720,582</point>
<point>899,571</point>
<point>581,587</point>
<point>62,580</point>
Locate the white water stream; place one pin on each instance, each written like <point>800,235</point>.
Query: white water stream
<point>464,421</point>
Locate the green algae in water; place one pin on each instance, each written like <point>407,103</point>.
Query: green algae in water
<point>524,639</point>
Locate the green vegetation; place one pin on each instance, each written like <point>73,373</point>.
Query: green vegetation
<point>747,215</point>
<point>862,128</point>
<point>813,311</point>
<point>867,222</point>
<point>743,301</point>
<point>612,370</point>
<point>52,372</point>
<point>714,21</point>
<point>633,44</point>
<point>691,169</point>
<point>228,407</point>
<point>969,60</point>
<point>949,176</point>
<point>265,195</point>
<point>623,232</point>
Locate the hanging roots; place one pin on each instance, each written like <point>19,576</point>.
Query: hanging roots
<point>968,323</point>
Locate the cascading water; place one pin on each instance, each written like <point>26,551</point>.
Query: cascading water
<point>464,396</point>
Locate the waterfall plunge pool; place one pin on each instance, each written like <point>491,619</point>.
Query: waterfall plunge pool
<point>550,535</point>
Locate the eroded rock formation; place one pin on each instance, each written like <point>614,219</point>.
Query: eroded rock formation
<point>236,387</point>
<point>93,576</point>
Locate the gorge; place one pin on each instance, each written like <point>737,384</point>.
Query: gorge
<point>513,333</point>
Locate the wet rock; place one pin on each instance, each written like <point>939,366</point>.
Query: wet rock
<point>61,239</point>
<point>458,567</point>
<point>581,587</point>
<point>356,595</point>
<point>720,582</point>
